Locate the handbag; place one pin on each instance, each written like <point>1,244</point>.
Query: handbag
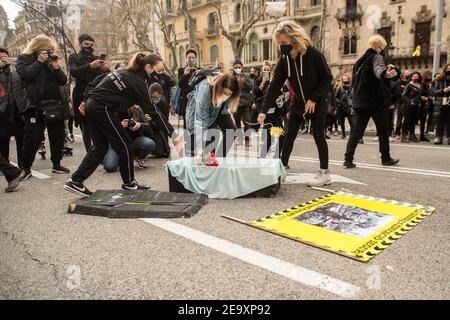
<point>52,110</point>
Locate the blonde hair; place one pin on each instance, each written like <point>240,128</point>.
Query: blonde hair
<point>341,81</point>
<point>222,82</point>
<point>296,33</point>
<point>376,41</point>
<point>40,42</point>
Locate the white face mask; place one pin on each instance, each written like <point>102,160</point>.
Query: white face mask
<point>238,70</point>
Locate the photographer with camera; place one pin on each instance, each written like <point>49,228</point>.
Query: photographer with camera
<point>184,76</point>
<point>84,66</point>
<point>39,68</point>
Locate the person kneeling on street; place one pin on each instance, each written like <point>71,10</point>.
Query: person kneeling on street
<point>136,125</point>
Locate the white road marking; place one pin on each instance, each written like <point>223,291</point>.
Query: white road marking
<point>275,265</point>
<point>399,169</point>
<point>391,144</point>
<point>36,174</point>
<point>303,178</point>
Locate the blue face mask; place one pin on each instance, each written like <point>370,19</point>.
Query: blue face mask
<point>156,100</point>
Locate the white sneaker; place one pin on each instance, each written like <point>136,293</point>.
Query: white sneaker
<point>321,179</point>
<point>284,176</point>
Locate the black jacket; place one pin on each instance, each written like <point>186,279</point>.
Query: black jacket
<point>123,88</point>
<point>80,69</point>
<point>36,76</point>
<point>370,88</point>
<point>412,94</point>
<point>313,73</point>
<point>183,83</point>
<point>343,99</point>
<point>246,97</point>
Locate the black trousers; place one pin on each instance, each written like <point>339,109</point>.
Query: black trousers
<point>409,122</point>
<point>362,117</point>
<point>4,148</point>
<point>342,115</point>
<point>267,138</point>
<point>9,171</point>
<point>443,122</point>
<point>106,128</point>
<point>34,131</point>
<point>423,113</point>
<point>399,121</point>
<point>318,123</point>
<point>86,134</point>
<point>224,122</point>
<point>391,120</point>
<point>242,114</point>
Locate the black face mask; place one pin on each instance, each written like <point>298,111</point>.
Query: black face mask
<point>88,50</point>
<point>286,48</point>
<point>253,76</point>
<point>447,74</point>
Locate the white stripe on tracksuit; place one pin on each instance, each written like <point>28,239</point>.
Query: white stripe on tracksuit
<point>125,145</point>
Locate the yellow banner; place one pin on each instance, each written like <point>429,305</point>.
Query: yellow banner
<point>356,226</point>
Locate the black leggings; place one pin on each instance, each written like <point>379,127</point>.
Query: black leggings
<point>106,129</point>
<point>341,116</point>
<point>318,122</point>
<point>409,122</point>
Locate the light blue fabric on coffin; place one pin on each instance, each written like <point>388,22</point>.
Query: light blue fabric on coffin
<point>233,178</point>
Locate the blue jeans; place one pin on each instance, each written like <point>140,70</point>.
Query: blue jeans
<point>142,147</point>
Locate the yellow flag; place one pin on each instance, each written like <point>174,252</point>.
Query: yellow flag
<point>417,52</point>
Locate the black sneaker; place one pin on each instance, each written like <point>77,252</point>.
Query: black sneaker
<point>77,187</point>
<point>349,164</point>
<point>60,169</point>
<point>27,174</point>
<point>390,162</point>
<point>14,183</point>
<point>134,186</point>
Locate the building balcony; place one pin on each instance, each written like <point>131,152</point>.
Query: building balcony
<point>211,32</point>
<point>185,35</point>
<point>308,12</point>
<point>349,14</point>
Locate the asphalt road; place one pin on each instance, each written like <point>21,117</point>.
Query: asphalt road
<point>48,254</point>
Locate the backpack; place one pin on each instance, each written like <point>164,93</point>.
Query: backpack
<point>199,76</point>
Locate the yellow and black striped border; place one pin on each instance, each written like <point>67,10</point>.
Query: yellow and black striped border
<point>379,242</point>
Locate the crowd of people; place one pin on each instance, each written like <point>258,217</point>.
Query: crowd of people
<point>123,112</point>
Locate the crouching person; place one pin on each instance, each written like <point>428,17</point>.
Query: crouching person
<point>137,127</point>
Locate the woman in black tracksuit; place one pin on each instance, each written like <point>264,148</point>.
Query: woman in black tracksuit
<point>118,90</point>
<point>310,77</point>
